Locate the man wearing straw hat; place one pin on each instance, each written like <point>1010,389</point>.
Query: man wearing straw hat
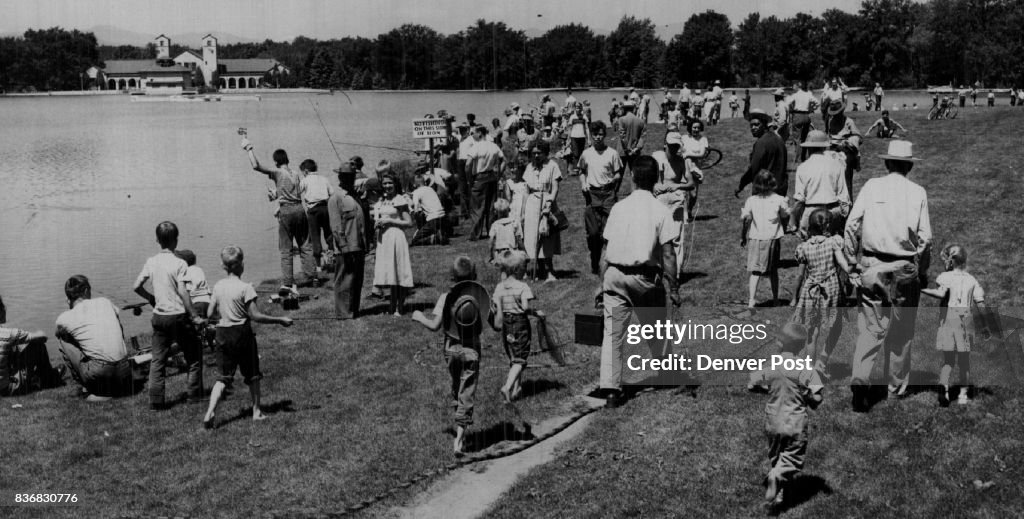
<point>845,138</point>
<point>890,229</point>
<point>819,183</point>
<point>769,152</point>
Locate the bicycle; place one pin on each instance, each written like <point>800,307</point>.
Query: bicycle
<point>949,111</point>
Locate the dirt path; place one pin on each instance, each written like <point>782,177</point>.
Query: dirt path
<point>470,491</point>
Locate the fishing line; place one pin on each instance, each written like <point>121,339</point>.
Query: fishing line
<point>317,112</point>
<point>375,146</point>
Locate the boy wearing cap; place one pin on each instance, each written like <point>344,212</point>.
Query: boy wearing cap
<point>461,312</point>
<point>791,393</point>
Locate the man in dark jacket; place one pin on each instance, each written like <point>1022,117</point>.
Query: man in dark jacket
<point>349,229</point>
<point>769,153</point>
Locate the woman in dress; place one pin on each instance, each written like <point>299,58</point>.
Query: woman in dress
<point>542,177</point>
<point>392,267</point>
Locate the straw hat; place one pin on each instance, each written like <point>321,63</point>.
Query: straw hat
<point>836,107</point>
<point>900,150</point>
<point>514,106</point>
<point>757,113</point>
<point>816,139</point>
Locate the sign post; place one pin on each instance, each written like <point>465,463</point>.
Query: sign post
<point>430,129</point>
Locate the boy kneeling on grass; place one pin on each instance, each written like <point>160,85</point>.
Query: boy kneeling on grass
<point>235,301</point>
<point>461,312</point>
<point>791,393</point>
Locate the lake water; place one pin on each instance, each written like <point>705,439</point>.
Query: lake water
<point>86,179</point>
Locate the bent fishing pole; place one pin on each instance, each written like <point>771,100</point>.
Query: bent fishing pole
<point>317,112</point>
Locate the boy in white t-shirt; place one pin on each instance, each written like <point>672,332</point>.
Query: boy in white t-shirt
<point>235,301</point>
<point>174,317</point>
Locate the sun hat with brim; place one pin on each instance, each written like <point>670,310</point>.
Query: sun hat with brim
<point>629,104</point>
<point>836,107</point>
<point>757,113</point>
<point>900,150</point>
<point>514,106</point>
<point>526,117</point>
<point>816,139</point>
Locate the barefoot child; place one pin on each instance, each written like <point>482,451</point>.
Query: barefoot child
<point>511,307</point>
<point>235,301</point>
<point>959,291</point>
<point>791,393</point>
<point>461,312</point>
<point>763,216</point>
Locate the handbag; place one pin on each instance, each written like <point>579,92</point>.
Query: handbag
<point>557,219</point>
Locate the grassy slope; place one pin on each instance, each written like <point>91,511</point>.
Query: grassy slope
<point>352,413</point>
<point>705,457</point>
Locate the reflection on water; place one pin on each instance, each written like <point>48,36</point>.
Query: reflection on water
<point>86,179</point>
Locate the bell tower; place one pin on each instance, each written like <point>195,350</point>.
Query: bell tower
<point>210,60</point>
<point>163,47</point>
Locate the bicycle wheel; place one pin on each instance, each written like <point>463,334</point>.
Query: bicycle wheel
<point>933,113</point>
<point>710,159</point>
<point>951,114</point>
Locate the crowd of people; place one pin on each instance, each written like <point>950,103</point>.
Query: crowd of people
<point>870,249</point>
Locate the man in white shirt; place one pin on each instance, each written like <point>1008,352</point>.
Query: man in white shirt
<point>92,342</point>
<point>819,183</point>
<point>570,101</point>
<point>600,169</point>
<point>639,255</point>
<point>834,91</point>
<point>684,98</point>
<point>485,163</point>
<point>801,104</point>
<point>878,96</point>
<point>465,182</point>
<point>428,212</point>
<point>890,228</point>
<point>315,190</point>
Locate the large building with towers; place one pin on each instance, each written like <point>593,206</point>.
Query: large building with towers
<point>187,70</point>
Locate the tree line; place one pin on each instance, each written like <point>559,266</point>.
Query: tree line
<point>899,43</point>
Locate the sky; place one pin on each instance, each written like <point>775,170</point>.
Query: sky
<point>283,20</point>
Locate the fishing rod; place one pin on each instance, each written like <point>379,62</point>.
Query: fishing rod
<point>379,147</point>
<point>317,112</point>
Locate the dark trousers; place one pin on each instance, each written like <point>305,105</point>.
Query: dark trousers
<point>465,201</point>
<point>430,232</point>
<point>485,191</point>
<point>293,231</point>
<point>319,225</point>
<point>595,216</point>
<point>878,103</point>
<point>348,283</point>
<point>168,329</point>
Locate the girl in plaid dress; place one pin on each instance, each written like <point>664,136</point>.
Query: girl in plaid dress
<point>820,295</point>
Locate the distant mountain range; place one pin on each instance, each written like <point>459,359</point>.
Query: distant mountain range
<point>110,35</point>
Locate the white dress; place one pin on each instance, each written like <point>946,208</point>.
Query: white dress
<point>392,265</point>
<point>536,246</point>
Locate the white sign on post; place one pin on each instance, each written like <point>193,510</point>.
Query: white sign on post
<point>429,129</point>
